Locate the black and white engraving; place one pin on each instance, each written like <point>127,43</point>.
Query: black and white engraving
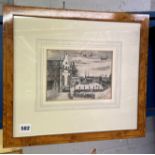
<point>79,75</point>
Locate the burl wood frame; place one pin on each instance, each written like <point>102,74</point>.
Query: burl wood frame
<point>8,67</point>
<point>18,151</point>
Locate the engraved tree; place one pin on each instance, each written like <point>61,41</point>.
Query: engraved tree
<point>74,71</point>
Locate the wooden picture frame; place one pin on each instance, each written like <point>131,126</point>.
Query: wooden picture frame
<point>20,151</point>
<point>8,74</point>
<point>8,150</point>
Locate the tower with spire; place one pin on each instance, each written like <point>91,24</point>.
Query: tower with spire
<point>65,72</point>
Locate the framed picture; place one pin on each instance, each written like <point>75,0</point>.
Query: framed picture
<point>72,76</point>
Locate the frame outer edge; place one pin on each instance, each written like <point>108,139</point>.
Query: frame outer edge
<point>9,140</point>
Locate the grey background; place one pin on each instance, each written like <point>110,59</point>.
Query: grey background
<point>136,145</point>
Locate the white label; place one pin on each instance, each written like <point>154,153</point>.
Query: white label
<point>25,128</point>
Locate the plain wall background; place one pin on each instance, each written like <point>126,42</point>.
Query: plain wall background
<point>136,145</point>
